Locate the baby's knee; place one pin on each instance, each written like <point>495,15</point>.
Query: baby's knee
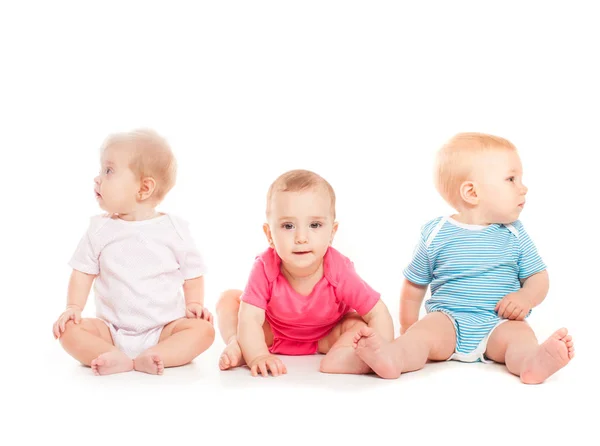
<point>228,300</point>
<point>204,328</point>
<point>71,330</point>
<point>353,322</point>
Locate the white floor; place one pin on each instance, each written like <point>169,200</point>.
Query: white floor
<point>52,397</point>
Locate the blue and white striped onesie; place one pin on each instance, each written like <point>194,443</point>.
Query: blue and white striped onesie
<point>470,268</point>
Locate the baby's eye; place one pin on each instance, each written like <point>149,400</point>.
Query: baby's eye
<point>108,170</point>
<point>287,226</point>
<point>511,179</point>
<point>315,225</point>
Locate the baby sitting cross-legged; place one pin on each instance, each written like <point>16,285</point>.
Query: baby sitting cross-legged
<point>146,270</point>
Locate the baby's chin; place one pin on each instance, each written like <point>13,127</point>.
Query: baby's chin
<point>507,220</point>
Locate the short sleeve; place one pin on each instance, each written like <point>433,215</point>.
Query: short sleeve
<point>85,257</point>
<point>191,262</point>
<point>257,288</point>
<point>419,270</point>
<point>353,290</point>
<point>530,261</point>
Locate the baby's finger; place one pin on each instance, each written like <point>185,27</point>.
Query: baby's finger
<point>281,366</point>
<point>514,314</point>
<point>272,366</point>
<point>510,306</point>
<point>77,317</point>
<point>500,306</point>
<point>254,370</point>
<point>55,330</point>
<point>63,321</point>
<point>497,308</point>
<point>263,368</point>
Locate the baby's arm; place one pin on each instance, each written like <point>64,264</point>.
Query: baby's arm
<point>193,291</point>
<point>80,285</point>
<point>516,306</point>
<point>411,298</point>
<point>251,338</point>
<point>535,287</point>
<point>380,320</point>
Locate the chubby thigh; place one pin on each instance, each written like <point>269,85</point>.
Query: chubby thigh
<point>436,333</point>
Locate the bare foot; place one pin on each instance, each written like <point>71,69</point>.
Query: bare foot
<point>149,363</point>
<point>375,352</point>
<point>550,357</point>
<point>343,359</point>
<point>231,356</point>
<point>111,362</point>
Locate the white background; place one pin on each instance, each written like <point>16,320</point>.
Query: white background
<point>362,93</point>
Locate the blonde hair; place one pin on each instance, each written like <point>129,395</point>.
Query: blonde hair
<point>296,181</point>
<point>454,161</point>
<point>151,156</point>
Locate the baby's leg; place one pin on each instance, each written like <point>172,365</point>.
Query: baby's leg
<point>340,356</point>
<point>514,344</point>
<point>433,338</point>
<point>179,343</point>
<point>91,344</point>
<point>228,308</point>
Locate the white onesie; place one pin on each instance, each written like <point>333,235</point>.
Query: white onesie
<point>140,268</point>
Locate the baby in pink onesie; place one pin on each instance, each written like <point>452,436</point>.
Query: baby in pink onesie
<point>146,271</point>
<point>303,296</point>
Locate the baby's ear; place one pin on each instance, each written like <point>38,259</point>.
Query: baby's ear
<point>333,231</point>
<point>267,231</point>
<point>147,187</point>
<point>468,192</point>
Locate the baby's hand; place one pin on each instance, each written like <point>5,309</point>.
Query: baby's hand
<point>514,306</point>
<point>266,363</point>
<point>73,312</point>
<point>194,310</point>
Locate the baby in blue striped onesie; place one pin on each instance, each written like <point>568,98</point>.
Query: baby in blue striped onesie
<point>484,272</point>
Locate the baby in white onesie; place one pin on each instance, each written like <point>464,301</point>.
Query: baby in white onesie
<point>147,273</point>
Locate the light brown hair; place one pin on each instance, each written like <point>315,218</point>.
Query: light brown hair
<point>455,160</point>
<point>296,181</point>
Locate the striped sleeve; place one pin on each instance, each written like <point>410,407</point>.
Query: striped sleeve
<point>530,261</point>
<point>419,270</point>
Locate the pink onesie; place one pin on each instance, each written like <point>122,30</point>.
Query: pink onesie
<point>299,322</point>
